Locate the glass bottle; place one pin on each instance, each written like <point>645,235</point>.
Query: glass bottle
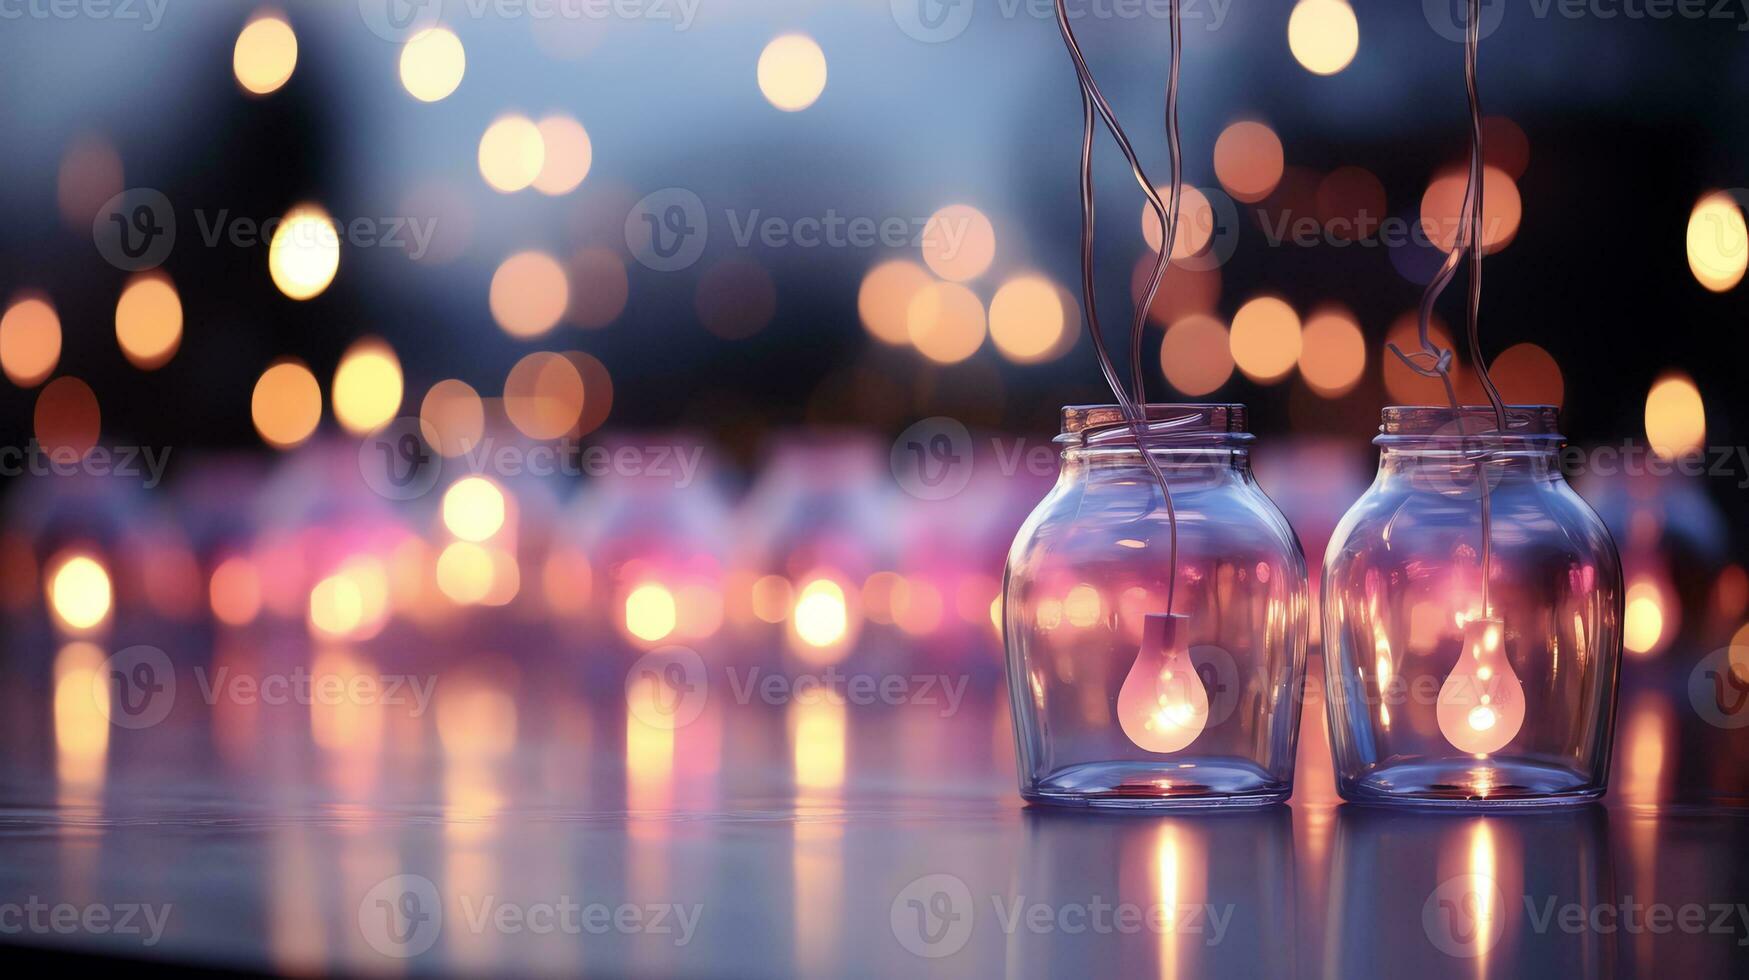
<point>1446,692</point>
<point>1119,701</point>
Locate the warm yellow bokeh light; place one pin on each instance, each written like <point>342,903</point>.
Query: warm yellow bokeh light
<point>1248,160</point>
<point>1718,242</point>
<point>148,321</point>
<point>651,613</point>
<point>1642,618</point>
<point>1196,222</point>
<point>367,387</point>
<point>30,342</point>
<point>770,598</point>
<point>1442,209</point>
<point>1265,339</point>
<point>1332,352</point>
<point>1323,35</point>
<point>79,592</point>
<point>529,294</point>
<point>511,153</point>
<point>452,418</point>
<point>543,395</point>
<point>473,508</point>
<point>432,64</point>
<point>465,572</point>
<point>305,253</point>
<point>568,154</point>
<point>1675,417</point>
<point>1026,319</point>
<point>235,592</point>
<point>885,298</point>
<point>822,616</point>
<point>945,322</point>
<point>1195,354</point>
<point>286,405</point>
<point>336,606</point>
<point>265,55</point>
<point>959,242</point>
<point>792,72</point>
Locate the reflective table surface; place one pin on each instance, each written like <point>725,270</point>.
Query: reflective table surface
<point>306,811</point>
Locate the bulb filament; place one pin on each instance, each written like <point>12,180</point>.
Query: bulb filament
<point>1163,706</point>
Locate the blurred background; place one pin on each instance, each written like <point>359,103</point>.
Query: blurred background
<point>505,342</point>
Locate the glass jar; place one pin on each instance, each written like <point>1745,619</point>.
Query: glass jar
<point>1084,619</point>
<point>1441,691</point>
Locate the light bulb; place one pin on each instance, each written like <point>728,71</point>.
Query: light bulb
<point>1481,703</point>
<point>1163,706</point>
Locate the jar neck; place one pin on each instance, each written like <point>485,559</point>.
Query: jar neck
<point>1206,464</point>
<point>1416,440</point>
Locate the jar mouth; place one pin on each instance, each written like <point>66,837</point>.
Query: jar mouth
<point>1421,423</point>
<point>1200,423</point>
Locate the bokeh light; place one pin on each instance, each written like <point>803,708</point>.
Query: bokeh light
<point>367,386</point>
<point>512,153</point>
<point>1332,352</point>
<point>1675,416</point>
<point>945,322</point>
<point>265,54</point>
<point>1323,35</point>
<point>529,294</point>
<point>473,508</point>
<point>651,613</point>
<point>958,243</point>
<point>287,404</point>
<point>89,175</point>
<point>1026,319</point>
<point>1265,339</point>
<point>1528,375</point>
<point>432,64</point>
<point>599,287</point>
<point>597,391</point>
<point>543,395</point>
<point>1248,160</point>
<point>1351,203</point>
<point>452,418</point>
<point>465,572</point>
<point>566,157</point>
<point>1195,355</point>
<point>792,72</point>
<point>30,341</point>
<point>884,299</point>
<point>1442,207</point>
<point>305,252</point>
<point>1718,242</point>
<point>68,421</point>
<point>821,616</point>
<point>235,592</point>
<point>148,320</point>
<point>79,592</point>
<point>1196,222</point>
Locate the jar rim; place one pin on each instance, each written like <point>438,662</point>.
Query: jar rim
<point>1164,420</point>
<point>1469,421</point>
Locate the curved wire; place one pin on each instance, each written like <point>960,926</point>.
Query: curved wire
<point>1092,102</point>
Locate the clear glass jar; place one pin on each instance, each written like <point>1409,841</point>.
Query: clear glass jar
<point>1441,692</point>
<point>1083,604</point>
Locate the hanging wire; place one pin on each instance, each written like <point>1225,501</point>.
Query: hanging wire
<point>1092,100</point>
<point>1431,360</point>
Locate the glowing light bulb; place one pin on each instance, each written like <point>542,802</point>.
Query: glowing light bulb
<point>1163,706</point>
<point>1481,703</point>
